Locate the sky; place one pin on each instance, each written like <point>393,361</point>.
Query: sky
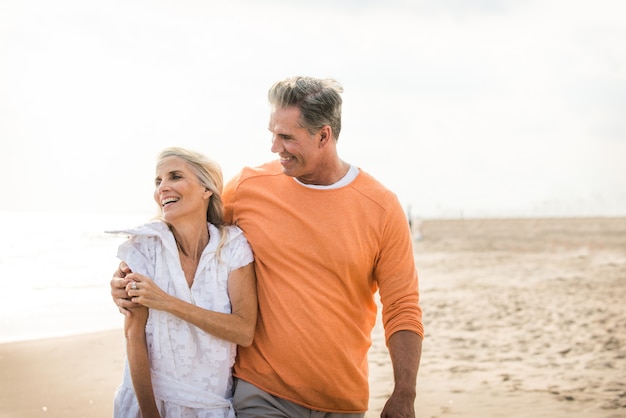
<point>463,108</point>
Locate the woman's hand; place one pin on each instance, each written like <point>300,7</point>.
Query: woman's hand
<point>118,290</point>
<point>144,291</point>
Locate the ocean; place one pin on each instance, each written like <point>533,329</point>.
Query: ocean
<point>55,270</point>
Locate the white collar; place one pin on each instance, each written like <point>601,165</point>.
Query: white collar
<point>344,181</point>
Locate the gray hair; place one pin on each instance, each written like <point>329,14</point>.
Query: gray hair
<point>319,101</point>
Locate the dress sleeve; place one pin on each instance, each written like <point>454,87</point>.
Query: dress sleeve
<point>240,251</point>
<point>139,252</point>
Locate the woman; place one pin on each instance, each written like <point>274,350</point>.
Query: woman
<point>195,278</point>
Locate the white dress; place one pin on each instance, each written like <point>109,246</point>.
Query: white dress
<point>191,369</point>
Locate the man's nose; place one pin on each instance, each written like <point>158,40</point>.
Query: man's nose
<point>276,144</point>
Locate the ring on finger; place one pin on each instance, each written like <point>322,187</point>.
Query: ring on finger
<point>134,286</point>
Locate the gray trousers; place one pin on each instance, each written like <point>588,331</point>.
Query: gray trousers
<point>251,402</point>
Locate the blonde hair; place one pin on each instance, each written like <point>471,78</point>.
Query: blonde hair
<point>209,174</point>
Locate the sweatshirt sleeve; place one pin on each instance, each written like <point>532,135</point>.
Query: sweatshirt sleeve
<point>397,276</point>
<point>228,199</point>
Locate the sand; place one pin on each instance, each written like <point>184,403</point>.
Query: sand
<point>524,318</point>
<point>72,376</point>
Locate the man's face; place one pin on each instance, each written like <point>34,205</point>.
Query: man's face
<point>299,151</point>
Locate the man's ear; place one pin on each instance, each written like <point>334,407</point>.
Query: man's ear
<point>325,135</point>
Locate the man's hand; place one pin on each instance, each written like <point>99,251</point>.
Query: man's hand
<point>118,290</point>
<point>405,349</point>
<point>399,406</point>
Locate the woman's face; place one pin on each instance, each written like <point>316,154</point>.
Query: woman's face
<point>178,191</point>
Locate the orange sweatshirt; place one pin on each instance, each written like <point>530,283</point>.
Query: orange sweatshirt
<point>320,257</point>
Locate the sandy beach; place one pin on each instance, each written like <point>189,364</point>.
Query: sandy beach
<point>524,318</point>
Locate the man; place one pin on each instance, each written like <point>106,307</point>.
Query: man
<point>326,236</point>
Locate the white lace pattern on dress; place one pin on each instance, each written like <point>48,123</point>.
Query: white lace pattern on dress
<point>191,370</point>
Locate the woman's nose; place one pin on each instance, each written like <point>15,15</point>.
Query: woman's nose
<point>162,186</point>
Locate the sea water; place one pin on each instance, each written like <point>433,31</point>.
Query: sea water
<point>55,270</point>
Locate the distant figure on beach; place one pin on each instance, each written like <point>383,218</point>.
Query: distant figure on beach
<point>415,225</point>
<point>194,287</point>
<point>326,236</point>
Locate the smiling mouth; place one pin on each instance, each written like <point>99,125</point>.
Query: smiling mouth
<point>169,200</point>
